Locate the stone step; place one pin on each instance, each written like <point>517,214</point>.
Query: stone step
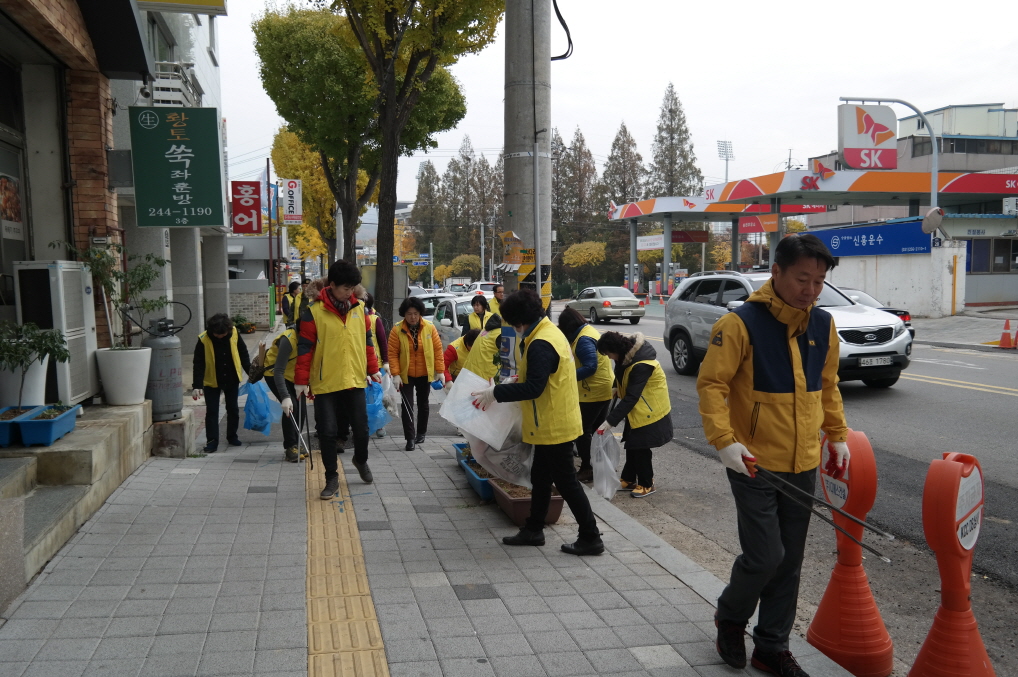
<point>17,476</point>
<point>52,515</point>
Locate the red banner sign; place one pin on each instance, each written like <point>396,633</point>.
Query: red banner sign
<point>247,207</point>
<point>681,236</point>
<point>765,223</point>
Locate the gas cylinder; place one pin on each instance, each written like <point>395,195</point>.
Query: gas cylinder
<point>165,387</point>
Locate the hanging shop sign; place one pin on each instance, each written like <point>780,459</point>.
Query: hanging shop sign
<point>867,136</point>
<point>247,207</point>
<point>293,212</point>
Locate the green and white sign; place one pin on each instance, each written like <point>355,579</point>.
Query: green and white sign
<point>177,166</point>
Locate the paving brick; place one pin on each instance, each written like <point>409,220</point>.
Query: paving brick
<point>182,644</point>
<point>66,649</point>
<point>183,624</point>
<point>566,663</point>
<point>699,653</point>
<point>551,642</point>
<point>638,635</point>
<point>415,669</point>
<point>39,668</point>
<point>405,650</point>
<point>226,663</point>
<point>124,667</point>
<point>170,665</point>
<point>136,626</point>
<point>466,667</point>
<point>35,628</point>
<point>517,666</point>
<point>458,647</point>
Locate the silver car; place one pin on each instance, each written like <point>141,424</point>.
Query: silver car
<point>874,346</point>
<point>451,314</point>
<point>604,304</point>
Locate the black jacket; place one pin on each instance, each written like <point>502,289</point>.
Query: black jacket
<point>226,374</point>
<point>656,434</point>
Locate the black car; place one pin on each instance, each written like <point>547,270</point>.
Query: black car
<point>865,299</point>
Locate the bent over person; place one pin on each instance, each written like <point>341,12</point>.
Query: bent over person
<point>768,385</point>
<point>220,363</point>
<point>335,357</point>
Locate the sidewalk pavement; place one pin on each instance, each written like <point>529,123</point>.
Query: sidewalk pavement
<point>230,564</point>
<point>971,330</point>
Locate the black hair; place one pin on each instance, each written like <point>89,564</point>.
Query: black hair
<point>470,337</point>
<point>306,280</point>
<point>494,322</point>
<point>523,306</point>
<point>344,273</point>
<point>801,245</point>
<point>411,302</point>
<point>614,342</point>
<point>482,300</point>
<point>220,323</point>
<point>294,286</point>
<point>569,321</point>
<point>369,300</point>
<point>497,287</point>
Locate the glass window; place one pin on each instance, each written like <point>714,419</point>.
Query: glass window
<point>442,312</point>
<point>830,296</point>
<point>10,101</point>
<point>586,294</point>
<point>1001,256</point>
<point>707,292</point>
<point>980,256</point>
<point>1014,256</point>
<point>687,293</point>
<point>463,311</point>
<point>733,291</point>
<point>615,292</point>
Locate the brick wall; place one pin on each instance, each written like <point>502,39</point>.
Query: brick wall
<point>252,305</point>
<point>58,26</point>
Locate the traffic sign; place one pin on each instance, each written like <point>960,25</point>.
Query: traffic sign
<point>395,259</point>
<point>421,263</point>
<point>423,256</point>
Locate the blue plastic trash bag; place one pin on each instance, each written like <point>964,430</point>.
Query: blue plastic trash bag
<point>377,414</point>
<point>260,410</point>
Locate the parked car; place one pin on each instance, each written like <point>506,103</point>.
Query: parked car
<point>417,291</point>
<point>432,300</point>
<point>486,288</point>
<point>450,317</point>
<point>604,304</point>
<point>874,347</point>
<point>862,297</point>
<point>456,288</point>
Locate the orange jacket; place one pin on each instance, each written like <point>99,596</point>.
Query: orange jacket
<point>417,364</point>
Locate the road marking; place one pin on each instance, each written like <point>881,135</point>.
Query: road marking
<point>951,380</point>
<point>943,382</point>
<point>947,363</point>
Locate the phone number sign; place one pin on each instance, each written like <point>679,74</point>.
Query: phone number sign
<point>177,166</point>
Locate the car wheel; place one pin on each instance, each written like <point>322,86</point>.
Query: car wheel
<point>880,382</point>
<point>683,360</point>
<point>593,316</point>
<point>634,320</point>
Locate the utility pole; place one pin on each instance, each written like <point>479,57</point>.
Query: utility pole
<point>482,250</point>
<point>431,259</point>
<point>527,134</point>
<point>268,210</point>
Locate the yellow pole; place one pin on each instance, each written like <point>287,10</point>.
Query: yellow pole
<point>954,283</point>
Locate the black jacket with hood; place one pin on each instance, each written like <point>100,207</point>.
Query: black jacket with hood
<point>659,432</point>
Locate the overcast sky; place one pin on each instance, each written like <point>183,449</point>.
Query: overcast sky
<point>764,75</point>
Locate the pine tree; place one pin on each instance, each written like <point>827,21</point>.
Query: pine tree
<point>458,197</point>
<point>428,213</point>
<point>579,183</point>
<point>673,169</point>
<point>624,173</point>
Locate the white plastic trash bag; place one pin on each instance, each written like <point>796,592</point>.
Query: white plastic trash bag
<point>390,396</point>
<point>438,396</point>
<point>494,425</point>
<point>605,453</point>
<point>511,463</point>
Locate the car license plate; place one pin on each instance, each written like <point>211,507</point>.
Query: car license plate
<point>626,313</point>
<point>875,361</point>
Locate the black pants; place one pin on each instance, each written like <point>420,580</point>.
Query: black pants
<point>553,464</point>
<point>639,467</point>
<point>212,411</point>
<point>772,532</point>
<point>328,408</point>
<point>422,386</point>
<point>593,415</point>
<point>300,412</point>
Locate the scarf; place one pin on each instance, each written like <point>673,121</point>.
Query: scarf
<point>414,330</point>
<point>342,307</point>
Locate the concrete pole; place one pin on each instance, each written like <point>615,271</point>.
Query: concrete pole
<point>666,261</point>
<point>185,250</point>
<point>775,237</point>
<point>528,122</point>
<point>215,275</point>
<point>482,250</point>
<point>736,249</point>
<point>633,276</point>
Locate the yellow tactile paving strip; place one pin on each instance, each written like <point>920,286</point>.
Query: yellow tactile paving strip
<point>343,634</point>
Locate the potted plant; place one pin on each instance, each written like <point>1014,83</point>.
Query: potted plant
<point>477,477</point>
<point>243,325</point>
<point>122,368</point>
<point>23,349</point>
<point>46,425</point>
<point>515,502</point>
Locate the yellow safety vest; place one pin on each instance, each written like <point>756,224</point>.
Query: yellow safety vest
<point>374,331</point>
<point>477,323</point>
<point>493,306</point>
<point>291,364</point>
<point>554,417</point>
<point>341,354</point>
<point>424,342</point>
<point>598,386</point>
<point>654,403</point>
<point>462,352</point>
<point>210,358</point>
<point>483,358</point>
<point>292,316</point>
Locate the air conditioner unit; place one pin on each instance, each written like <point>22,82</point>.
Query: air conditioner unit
<point>59,295</point>
<point>1011,206</point>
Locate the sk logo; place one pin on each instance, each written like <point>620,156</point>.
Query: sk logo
<point>865,124</point>
<point>612,208</point>
<point>717,339</point>
<point>687,203</point>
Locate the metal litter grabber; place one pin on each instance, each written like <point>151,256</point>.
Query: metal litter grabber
<point>300,433</point>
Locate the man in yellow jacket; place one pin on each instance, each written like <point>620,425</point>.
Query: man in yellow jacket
<point>768,385</point>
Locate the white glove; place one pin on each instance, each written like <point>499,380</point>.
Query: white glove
<point>441,377</point>
<point>484,398</point>
<point>196,393</point>
<point>302,391</point>
<point>376,377</point>
<point>837,462</point>
<point>511,379</point>
<point>603,428</point>
<point>287,405</point>
<point>385,368</point>
<point>732,458</point>
<point>446,382</point>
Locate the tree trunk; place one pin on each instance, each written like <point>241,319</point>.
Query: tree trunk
<point>330,242</point>
<point>349,216</point>
<point>385,242</point>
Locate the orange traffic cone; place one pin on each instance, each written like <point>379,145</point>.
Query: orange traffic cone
<point>661,300</point>
<point>952,648</point>
<point>1005,337</point>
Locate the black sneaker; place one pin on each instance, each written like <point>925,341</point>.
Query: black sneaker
<point>211,447</point>
<point>780,663</point>
<point>235,442</point>
<point>290,455</point>
<point>584,547</point>
<point>731,642</point>
<point>331,488</point>
<point>419,439</point>
<point>364,471</point>
<point>409,445</point>
<point>585,474</point>
<point>525,537</point>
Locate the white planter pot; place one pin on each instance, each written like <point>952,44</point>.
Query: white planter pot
<point>35,386</point>
<point>124,374</point>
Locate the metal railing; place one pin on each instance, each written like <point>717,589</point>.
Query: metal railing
<point>176,85</point>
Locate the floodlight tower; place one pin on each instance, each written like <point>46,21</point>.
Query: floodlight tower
<point>726,153</point>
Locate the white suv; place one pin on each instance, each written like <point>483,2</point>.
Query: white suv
<point>874,347</point>
<point>485,288</point>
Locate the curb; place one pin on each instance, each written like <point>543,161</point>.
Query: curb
<point>963,346</point>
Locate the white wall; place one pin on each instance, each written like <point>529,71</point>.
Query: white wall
<point>919,283</point>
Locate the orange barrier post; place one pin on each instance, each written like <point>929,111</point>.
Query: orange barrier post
<point>661,300</point>
<point>847,627</point>
<point>952,516</point>
<point>1005,337</point>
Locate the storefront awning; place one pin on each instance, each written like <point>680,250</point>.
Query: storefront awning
<point>118,37</point>
<point>234,249</point>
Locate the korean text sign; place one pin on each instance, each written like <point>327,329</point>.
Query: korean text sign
<point>889,238</point>
<point>177,166</point>
<point>247,206</point>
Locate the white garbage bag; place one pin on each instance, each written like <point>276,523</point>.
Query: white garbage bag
<point>605,453</point>
<point>494,425</point>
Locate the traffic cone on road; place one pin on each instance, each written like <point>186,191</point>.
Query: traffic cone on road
<point>1005,337</point>
<point>661,300</point>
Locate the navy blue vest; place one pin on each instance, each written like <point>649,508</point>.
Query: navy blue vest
<point>772,365</point>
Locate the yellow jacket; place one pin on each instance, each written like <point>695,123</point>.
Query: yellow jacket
<point>484,359</point>
<point>770,381</point>
<point>291,364</point>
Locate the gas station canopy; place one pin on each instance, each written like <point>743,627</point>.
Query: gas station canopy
<point>699,209</point>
